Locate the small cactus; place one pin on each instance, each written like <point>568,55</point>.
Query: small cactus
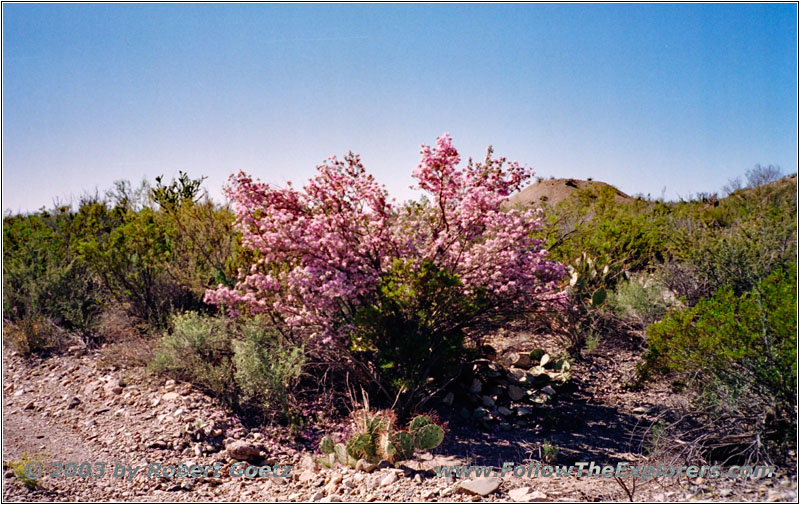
<point>428,437</point>
<point>418,422</point>
<point>598,297</point>
<point>403,444</point>
<point>326,445</point>
<point>360,447</point>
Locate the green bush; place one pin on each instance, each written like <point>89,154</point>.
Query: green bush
<point>628,235</point>
<point>409,333</point>
<point>243,362</point>
<point>638,302</point>
<point>44,277</point>
<point>737,353</point>
<point>737,242</point>
<point>266,366</point>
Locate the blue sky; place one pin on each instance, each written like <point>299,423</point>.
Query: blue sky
<point>643,96</point>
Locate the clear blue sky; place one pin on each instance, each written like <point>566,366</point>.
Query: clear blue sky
<point>643,96</point>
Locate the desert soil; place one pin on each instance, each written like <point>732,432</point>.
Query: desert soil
<point>74,408</point>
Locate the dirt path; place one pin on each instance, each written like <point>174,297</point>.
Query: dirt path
<point>72,408</point>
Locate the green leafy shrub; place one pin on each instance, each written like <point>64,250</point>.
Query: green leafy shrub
<point>414,311</point>
<point>43,276</point>
<point>244,362</point>
<point>737,353</point>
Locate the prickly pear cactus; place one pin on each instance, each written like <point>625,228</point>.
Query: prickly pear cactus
<point>428,437</point>
<point>326,445</point>
<point>360,446</point>
<point>418,422</point>
<point>403,444</point>
<point>598,297</point>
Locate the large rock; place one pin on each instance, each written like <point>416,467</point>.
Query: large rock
<point>483,486</point>
<point>241,450</point>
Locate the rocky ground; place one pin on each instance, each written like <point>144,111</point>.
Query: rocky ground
<point>73,408</point>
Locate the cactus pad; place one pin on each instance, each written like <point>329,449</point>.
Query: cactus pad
<point>326,445</point>
<point>428,437</point>
<point>403,444</point>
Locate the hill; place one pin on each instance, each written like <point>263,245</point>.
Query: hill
<point>554,191</point>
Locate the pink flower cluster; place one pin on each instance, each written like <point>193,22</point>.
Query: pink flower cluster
<point>319,253</point>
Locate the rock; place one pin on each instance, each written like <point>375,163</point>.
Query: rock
<point>487,401</point>
<point>317,496</point>
<point>448,399</point>
<point>307,476</point>
<point>524,411</point>
<point>389,479</point>
<point>483,486</point>
<point>526,494</point>
<point>334,498</point>
<point>171,396</point>
<point>383,464</point>
<point>504,411</point>
<point>515,393</point>
<point>29,406</point>
<point>362,465</point>
<point>516,374</point>
<point>639,410</point>
<point>520,360</point>
<point>73,402</point>
<point>75,349</point>
<point>476,386</point>
<point>241,450</point>
<point>548,390</point>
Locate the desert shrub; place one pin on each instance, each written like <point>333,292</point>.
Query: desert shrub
<point>399,321</point>
<point>32,334</point>
<point>639,301</point>
<point>266,366</point>
<point>244,362</point>
<point>204,244</point>
<point>628,235</point>
<point>738,354</point>
<point>132,262</point>
<point>336,261</point>
<point>44,277</point>
<point>737,243</point>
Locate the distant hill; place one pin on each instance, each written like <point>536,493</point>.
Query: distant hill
<point>556,190</point>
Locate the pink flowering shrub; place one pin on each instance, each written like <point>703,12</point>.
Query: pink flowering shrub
<point>393,290</point>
